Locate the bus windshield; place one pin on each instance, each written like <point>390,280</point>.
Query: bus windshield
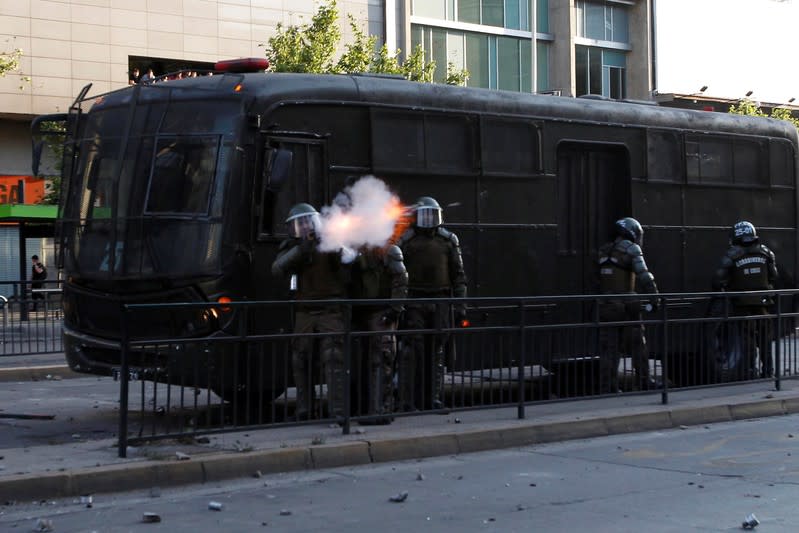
<point>145,197</point>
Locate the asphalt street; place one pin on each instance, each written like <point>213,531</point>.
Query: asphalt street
<point>74,453</point>
<point>703,478</point>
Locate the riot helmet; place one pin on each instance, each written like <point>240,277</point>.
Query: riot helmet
<point>303,221</point>
<point>428,212</point>
<point>743,232</point>
<point>629,228</point>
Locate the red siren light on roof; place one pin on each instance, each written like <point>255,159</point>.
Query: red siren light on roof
<point>249,64</point>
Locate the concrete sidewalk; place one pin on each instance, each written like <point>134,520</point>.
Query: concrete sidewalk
<point>34,367</point>
<point>79,468</point>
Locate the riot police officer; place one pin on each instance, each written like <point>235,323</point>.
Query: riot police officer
<point>379,273</point>
<point>319,276</point>
<point>435,270</point>
<point>621,266</point>
<point>749,265</point>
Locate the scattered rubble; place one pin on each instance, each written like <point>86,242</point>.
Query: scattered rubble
<point>399,498</point>
<point>750,522</point>
<point>44,524</point>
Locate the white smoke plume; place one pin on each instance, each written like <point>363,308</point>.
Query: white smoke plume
<point>364,214</point>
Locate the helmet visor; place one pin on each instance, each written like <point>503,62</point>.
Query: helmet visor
<point>304,226</point>
<point>428,217</point>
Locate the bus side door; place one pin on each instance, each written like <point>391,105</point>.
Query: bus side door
<point>593,192</point>
<point>294,170</point>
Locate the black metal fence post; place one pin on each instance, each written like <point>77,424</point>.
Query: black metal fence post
<point>778,347</point>
<point>345,427</point>
<point>123,384</point>
<point>522,358</point>
<point>664,395</point>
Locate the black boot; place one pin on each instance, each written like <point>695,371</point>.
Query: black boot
<point>407,380</point>
<point>377,399</point>
<point>336,392</point>
<point>304,402</point>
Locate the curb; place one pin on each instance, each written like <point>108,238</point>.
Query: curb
<point>218,467</point>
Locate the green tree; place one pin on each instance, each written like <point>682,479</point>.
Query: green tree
<point>456,76</point>
<point>750,108</point>
<point>9,61</point>
<point>53,137</point>
<point>359,55</point>
<point>312,47</point>
<point>386,63</point>
<point>309,47</point>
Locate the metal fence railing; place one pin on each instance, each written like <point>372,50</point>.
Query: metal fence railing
<point>30,317</point>
<point>510,352</point>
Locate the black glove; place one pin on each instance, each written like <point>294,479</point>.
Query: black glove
<point>653,305</point>
<point>390,316</point>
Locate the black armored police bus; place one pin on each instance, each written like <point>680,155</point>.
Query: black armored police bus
<point>177,192</point>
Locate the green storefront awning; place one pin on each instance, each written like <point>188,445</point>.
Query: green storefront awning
<point>28,213</point>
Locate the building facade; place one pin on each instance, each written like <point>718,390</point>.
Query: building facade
<point>564,47</point>
<point>68,44</point>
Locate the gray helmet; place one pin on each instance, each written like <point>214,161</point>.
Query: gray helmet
<point>743,232</point>
<point>428,212</point>
<point>629,228</point>
<point>303,221</point>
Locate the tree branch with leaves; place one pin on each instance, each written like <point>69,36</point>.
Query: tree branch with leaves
<point>312,47</point>
<point>9,62</point>
<point>751,108</point>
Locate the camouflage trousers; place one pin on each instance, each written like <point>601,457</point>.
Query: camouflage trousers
<point>375,371</point>
<point>615,340</point>
<point>331,355</point>
<point>420,368</point>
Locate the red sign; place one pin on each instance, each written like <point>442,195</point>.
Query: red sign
<point>9,189</point>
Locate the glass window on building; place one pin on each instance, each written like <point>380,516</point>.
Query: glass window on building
<point>468,11</point>
<point>493,13</point>
<point>542,65</point>
<point>613,74</point>
<point>438,47</point>
<point>542,16</point>
<point>619,25</point>
<point>493,62</point>
<point>456,48</point>
<point>508,64</point>
<point>600,71</point>
<point>434,42</point>
<point>436,9</point>
<point>603,22</point>
<point>525,65</point>
<point>511,14</point>
<point>477,59</point>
